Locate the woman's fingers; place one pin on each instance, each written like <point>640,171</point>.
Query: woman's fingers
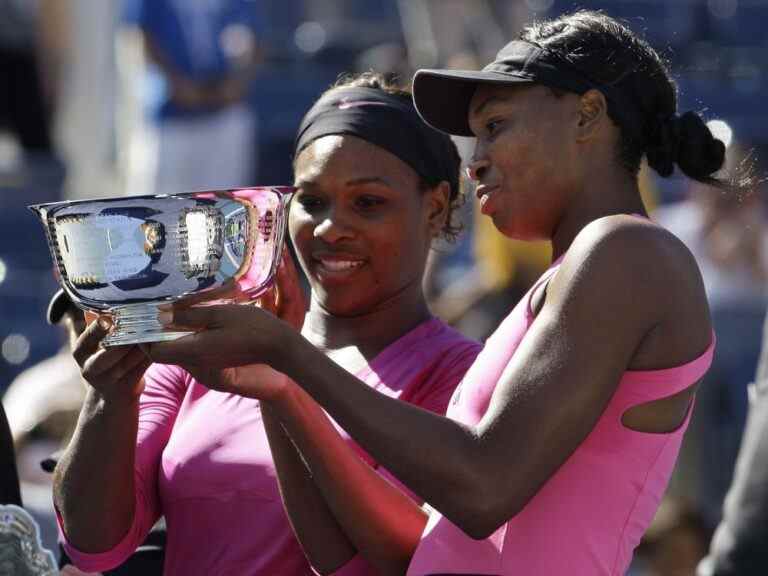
<point>210,378</point>
<point>88,342</point>
<point>182,351</point>
<point>291,303</point>
<point>193,318</point>
<point>113,361</point>
<point>133,375</point>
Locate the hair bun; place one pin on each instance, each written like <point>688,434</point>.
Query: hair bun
<point>700,154</point>
<point>686,141</point>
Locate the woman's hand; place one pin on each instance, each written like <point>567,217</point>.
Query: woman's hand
<point>233,343</point>
<point>113,372</point>
<point>229,350</point>
<point>285,299</point>
<point>254,381</point>
<point>225,336</point>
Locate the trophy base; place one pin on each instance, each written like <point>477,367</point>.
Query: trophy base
<point>136,324</point>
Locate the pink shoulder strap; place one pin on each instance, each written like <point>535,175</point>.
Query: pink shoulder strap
<point>655,384</point>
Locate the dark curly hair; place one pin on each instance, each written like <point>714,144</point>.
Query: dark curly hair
<point>609,53</point>
<point>388,84</point>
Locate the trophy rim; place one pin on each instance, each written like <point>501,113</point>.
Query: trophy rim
<point>282,189</point>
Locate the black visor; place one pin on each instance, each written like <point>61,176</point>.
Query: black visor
<point>442,97</point>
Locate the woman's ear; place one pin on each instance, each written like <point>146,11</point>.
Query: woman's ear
<point>593,112</point>
<point>437,204</point>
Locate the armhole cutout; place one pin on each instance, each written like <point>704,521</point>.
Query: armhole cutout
<point>538,297</point>
<point>661,416</point>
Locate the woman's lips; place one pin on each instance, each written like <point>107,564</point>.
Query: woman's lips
<point>337,266</point>
<point>486,194</point>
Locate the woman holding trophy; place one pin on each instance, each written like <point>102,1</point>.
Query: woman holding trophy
<point>558,444</point>
<point>375,187</point>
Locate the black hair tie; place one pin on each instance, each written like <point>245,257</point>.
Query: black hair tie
<point>700,153</point>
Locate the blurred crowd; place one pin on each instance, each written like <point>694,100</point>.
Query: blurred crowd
<point>115,98</point>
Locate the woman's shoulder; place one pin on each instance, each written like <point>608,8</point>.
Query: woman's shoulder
<point>626,242</point>
<point>634,268</point>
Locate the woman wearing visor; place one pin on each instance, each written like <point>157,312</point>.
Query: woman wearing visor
<point>559,442</point>
<point>375,187</point>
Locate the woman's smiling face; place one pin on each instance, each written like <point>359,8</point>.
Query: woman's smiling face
<point>360,224</point>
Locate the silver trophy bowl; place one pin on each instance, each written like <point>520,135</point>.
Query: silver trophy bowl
<point>126,256</point>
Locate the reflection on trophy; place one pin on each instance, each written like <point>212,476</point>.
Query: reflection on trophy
<point>125,256</point>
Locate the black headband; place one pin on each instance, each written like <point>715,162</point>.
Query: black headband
<point>385,120</point>
<point>442,96</point>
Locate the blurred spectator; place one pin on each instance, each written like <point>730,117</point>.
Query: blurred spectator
<point>21,551</point>
<point>22,107</point>
<point>727,234</point>
<point>47,396</point>
<point>10,492</point>
<point>28,95</point>
<point>205,52</point>
<point>674,543</point>
<point>738,547</point>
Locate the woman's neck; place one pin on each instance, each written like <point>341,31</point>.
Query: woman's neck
<point>615,193</point>
<point>369,333</point>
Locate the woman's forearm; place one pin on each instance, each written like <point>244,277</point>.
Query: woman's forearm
<point>383,523</point>
<point>441,467</point>
<point>94,480</point>
<point>324,542</point>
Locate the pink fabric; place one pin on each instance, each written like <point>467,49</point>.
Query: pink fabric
<point>590,515</point>
<point>202,460</point>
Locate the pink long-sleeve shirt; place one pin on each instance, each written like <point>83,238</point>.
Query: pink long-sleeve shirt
<point>203,461</point>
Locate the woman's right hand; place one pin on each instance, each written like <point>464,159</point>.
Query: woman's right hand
<point>114,372</point>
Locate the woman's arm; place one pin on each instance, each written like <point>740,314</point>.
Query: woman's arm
<point>617,286</point>
<point>94,480</point>
<point>325,544</point>
<point>551,393</point>
<point>97,469</point>
<point>381,521</point>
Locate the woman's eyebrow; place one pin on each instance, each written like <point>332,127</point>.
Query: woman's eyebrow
<point>306,184</point>
<point>494,99</point>
<point>368,180</point>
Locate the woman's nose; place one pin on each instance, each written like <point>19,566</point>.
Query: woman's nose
<point>477,167</point>
<point>333,227</point>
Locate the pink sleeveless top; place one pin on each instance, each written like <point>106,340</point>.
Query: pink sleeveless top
<point>590,515</point>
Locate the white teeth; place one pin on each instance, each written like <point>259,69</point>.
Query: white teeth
<point>340,265</point>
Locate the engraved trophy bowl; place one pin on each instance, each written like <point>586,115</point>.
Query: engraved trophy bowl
<point>127,255</point>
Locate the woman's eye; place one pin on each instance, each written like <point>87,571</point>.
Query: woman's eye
<point>367,202</point>
<point>310,202</point>
<point>492,126</point>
